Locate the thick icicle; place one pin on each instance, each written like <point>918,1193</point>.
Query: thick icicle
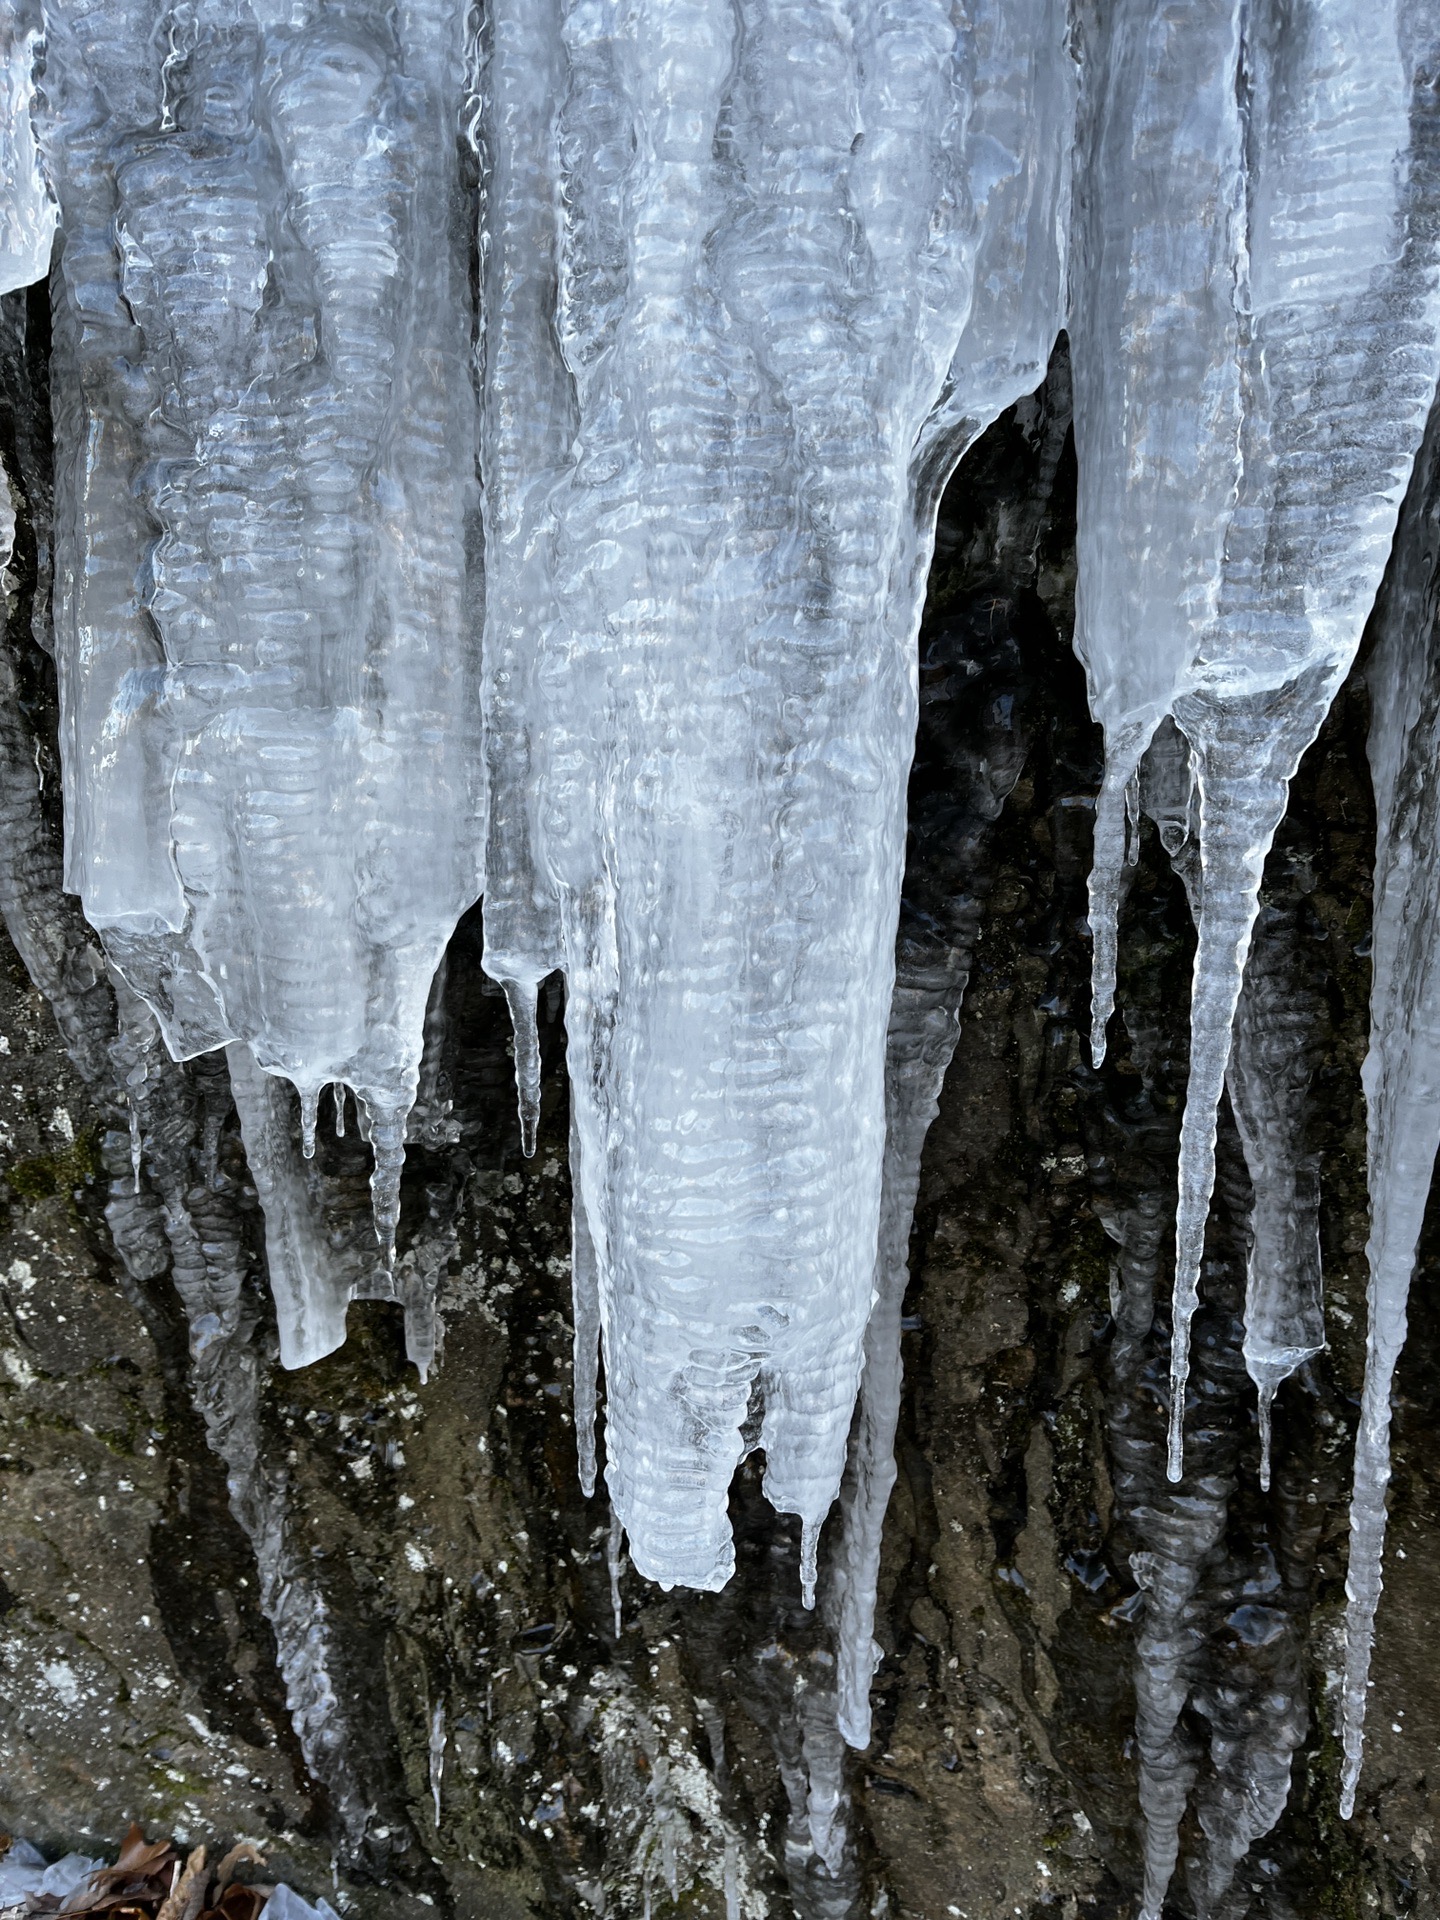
<point>1402,1067</point>
<point>27,208</point>
<point>782,311</point>
<point>1258,189</point>
<point>265,508</point>
<point>1154,335</point>
<point>311,1288</point>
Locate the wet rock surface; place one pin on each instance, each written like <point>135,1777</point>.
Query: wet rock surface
<point>373,1624</point>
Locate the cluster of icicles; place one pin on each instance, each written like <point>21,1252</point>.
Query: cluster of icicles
<point>597,595</point>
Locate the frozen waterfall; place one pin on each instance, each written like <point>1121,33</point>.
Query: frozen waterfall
<point>498,452</point>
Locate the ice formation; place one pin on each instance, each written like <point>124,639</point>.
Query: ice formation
<point>27,210</point>
<point>753,278</point>
<point>266,506</point>
<point>1402,1067</point>
<point>1269,1077</point>
<point>1258,187</point>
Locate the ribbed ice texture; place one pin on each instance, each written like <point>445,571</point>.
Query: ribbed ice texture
<point>265,504</point>
<point>1402,1067</point>
<point>754,275</point>
<point>27,210</point>
<point>1255,352</point>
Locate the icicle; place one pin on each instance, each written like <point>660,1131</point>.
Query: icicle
<point>1241,804</point>
<point>731,1879</point>
<point>267,551</point>
<point>1107,885</point>
<point>923,1031</point>
<point>719,869</point>
<point>615,1558</point>
<point>521,996</point>
<point>1269,1083</point>
<point>210,1150</point>
<point>826,1802</point>
<point>1228,587</point>
<point>27,209</point>
<point>1402,1067</point>
<point>809,1555</point>
<point>387,1143</point>
<point>437,1756</point>
<point>585,1296</point>
<point>309,1119</point>
<point>528,424</point>
<point>137,1142</point>
<point>310,1282</point>
<point>1269,1076</point>
<point>337,1094</point>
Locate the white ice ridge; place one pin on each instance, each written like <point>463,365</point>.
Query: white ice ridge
<point>754,275</point>
<point>27,207</point>
<point>266,609</point>
<point>1402,1067</point>
<point>1254,333</point>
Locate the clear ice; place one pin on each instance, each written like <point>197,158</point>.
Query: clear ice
<point>27,208</point>
<point>754,276</point>
<point>267,512</point>
<point>1254,333</point>
<point>1402,1068</point>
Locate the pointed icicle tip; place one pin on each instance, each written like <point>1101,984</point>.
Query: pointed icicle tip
<point>1108,868</point>
<point>1238,818</point>
<point>137,1144</point>
<point>521,997</point>
<point>337,1091</point>
<point>617,1562</point>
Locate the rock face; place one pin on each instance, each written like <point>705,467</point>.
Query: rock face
<point>373,1624</point>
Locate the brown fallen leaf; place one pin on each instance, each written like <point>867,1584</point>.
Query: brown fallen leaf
<point>187,1896</point>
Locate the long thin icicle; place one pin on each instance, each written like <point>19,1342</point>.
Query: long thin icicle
<point>1257,188</point>
<point>1402,1067</point>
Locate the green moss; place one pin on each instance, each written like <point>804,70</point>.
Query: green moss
<point>46,1175</point>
